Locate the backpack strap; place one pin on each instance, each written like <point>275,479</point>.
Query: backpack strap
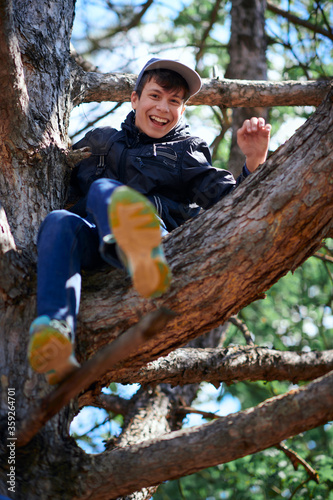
<point>102,148</point>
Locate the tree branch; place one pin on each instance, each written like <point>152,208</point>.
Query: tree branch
<point>215,365</point>
<point>222,440</point>
<point>315,28</point>
<point>108,402</point>
<point>296,460</point>
<point>96,87</point>
<point>324,257</point>
<point>115,353</point>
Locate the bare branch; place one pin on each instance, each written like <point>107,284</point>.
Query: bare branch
<point>81,61</point>
<point>74,156</point>
<point>243,328</point>
<point>316,28</point>
<point>231,364</point>
<point>212,19</point>
<point>324,257</point>
<point>184,452</point>
<point>108,402</point>
<point>115,353</point>
<point>296,460</point>
<point>94,87</point>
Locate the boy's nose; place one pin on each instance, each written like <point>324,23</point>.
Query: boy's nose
<point>163,106</point>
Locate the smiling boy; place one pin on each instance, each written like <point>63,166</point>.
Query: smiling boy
<point>140,183</point>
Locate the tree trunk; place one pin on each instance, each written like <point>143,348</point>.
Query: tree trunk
<point>247,50</point>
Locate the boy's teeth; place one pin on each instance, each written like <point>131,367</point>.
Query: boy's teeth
<point>161,120</point>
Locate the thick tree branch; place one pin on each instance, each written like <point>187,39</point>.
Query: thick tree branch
<point>231,364</point>
<point>187,451</point>
<point>108,402</point>
<point>271,224</point>
<point>122,348</point>
<point>96,87</point>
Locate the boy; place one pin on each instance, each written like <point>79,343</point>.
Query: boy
<point>139,183</point>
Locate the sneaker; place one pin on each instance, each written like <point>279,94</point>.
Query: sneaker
<point>136,228</point>
<point>50,349</point>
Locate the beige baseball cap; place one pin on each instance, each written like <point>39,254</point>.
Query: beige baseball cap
<point>190,76</point>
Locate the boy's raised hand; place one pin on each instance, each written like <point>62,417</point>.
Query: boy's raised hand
<point>253,139</point>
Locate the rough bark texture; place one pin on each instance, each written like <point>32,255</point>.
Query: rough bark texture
<point>228,93</point>
<point>231,365</point>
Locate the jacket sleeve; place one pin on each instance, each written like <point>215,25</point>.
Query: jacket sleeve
<point>206,185</point>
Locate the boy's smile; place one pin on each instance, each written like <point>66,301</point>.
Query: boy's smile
<point>158,110</point>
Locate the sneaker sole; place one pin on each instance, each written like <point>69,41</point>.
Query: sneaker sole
<point>137,232</point>
<point>50,352</point>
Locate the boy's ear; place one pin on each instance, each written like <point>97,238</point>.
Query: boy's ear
<point>134,99</point>
<point>184,107</point>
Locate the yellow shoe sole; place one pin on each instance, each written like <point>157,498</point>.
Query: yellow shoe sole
<point>50,352</point>
<point>136,229</point>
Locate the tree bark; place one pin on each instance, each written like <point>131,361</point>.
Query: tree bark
<point>231,365</point>
<point>240,244</point>
<point>229,93</point>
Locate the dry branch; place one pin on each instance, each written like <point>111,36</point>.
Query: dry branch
<point>115,353</point>
<point>297,21</point>
<point>187,451</point>
<point>231,364</point>
<point>96,87</point>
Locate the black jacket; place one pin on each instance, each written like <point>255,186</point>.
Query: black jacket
<point>174,172</point>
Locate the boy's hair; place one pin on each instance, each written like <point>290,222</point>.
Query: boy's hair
<point>167,79</point>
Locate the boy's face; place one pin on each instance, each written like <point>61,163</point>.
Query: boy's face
<point>158,110</point>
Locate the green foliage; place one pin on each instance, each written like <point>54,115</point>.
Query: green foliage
<point>263,476</point>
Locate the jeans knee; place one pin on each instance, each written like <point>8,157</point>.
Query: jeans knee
<point>102,187</point>
<point>57,223</point>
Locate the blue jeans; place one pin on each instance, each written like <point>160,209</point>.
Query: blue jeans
<point>68,243</point>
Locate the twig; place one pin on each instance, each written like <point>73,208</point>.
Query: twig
<point>243,328</point>
<point>324,257</point>
<point>296,460</point>
<point>189,409</point>
<point>118,351</point>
